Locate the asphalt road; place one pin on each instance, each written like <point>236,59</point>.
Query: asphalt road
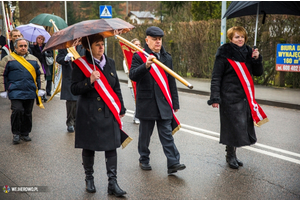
<point>51,163</point>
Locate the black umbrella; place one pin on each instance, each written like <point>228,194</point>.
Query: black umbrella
<point>244,8</point>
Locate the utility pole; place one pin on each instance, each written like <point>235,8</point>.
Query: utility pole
<point>66,14</point>
<point>223,24</point>
<point>2,21</point>
<point>161,16</point>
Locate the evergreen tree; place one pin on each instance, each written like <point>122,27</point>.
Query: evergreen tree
<point>177,11</point>
<point>204,10</point>
<point>173,6</point>
<point>85,10</point>
<point>72,19</point>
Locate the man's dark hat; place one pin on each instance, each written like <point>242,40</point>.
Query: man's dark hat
<point>154,31</point>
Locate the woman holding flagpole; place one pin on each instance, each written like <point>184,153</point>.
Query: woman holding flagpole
<point>232,89</point>
<point>99,109</point>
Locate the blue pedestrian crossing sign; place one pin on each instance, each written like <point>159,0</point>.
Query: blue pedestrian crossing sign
<point>105,12</point>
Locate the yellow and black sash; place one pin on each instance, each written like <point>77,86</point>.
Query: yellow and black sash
<point>31,70</point>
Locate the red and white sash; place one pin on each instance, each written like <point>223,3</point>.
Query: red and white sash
<point>258,115</point>
<point>160,77</point>
<point>6,49</point>
<point>106,93</point>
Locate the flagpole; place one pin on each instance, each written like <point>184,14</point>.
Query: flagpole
<point>8,19</point>
<point>70,50</point>
<point>167,69</point>
<point>256,25</point>
<point>66,14</point>
<point>5,22</point>
<point>11,9</point>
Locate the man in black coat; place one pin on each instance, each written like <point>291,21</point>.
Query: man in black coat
<point>151,104</point>
<point>64,58</point>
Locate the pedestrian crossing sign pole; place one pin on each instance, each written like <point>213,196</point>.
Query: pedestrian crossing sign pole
<point>105,12</point>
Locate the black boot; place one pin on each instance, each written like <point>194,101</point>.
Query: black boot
<point>230,157</point>
<point>88,163</point>
<point>113,187</point>
<point>44,98</point>
<point>240,163</point>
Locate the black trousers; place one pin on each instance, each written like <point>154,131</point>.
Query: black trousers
<point>91,153</point>
<point>21,116</point>
<point>71,112</point>
<point>49,86</point>
<point>164,129</point>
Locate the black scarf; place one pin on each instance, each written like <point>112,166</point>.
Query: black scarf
<point>243,51</point>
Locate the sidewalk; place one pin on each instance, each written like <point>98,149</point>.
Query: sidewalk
<point>273,96</point>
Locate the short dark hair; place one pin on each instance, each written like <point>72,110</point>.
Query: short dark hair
<point>17,40</point>
<point>14,30</point>
<point>92,38</point>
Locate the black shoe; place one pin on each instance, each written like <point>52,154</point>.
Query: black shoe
<point>44,98</point>
<point>111,168</point>
<point>90,186</point>
<point>145,166</point>
<point>231,158</point>
<point>49,94</point>
<point>26,138</point>
<point>175,168</point>
<point>88,163</point>
<point>70,129</point>
<point>240,163</point>
<point>114,188</point>
<point>232,162</point>
<point>16,139</point>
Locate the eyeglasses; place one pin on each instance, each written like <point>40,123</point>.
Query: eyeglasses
<point>23,45</point>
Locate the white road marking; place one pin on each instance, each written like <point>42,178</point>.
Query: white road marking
<point>248,147</point>
<point>273,154</point>
<point>256,144</point>
<point>215,136</point>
